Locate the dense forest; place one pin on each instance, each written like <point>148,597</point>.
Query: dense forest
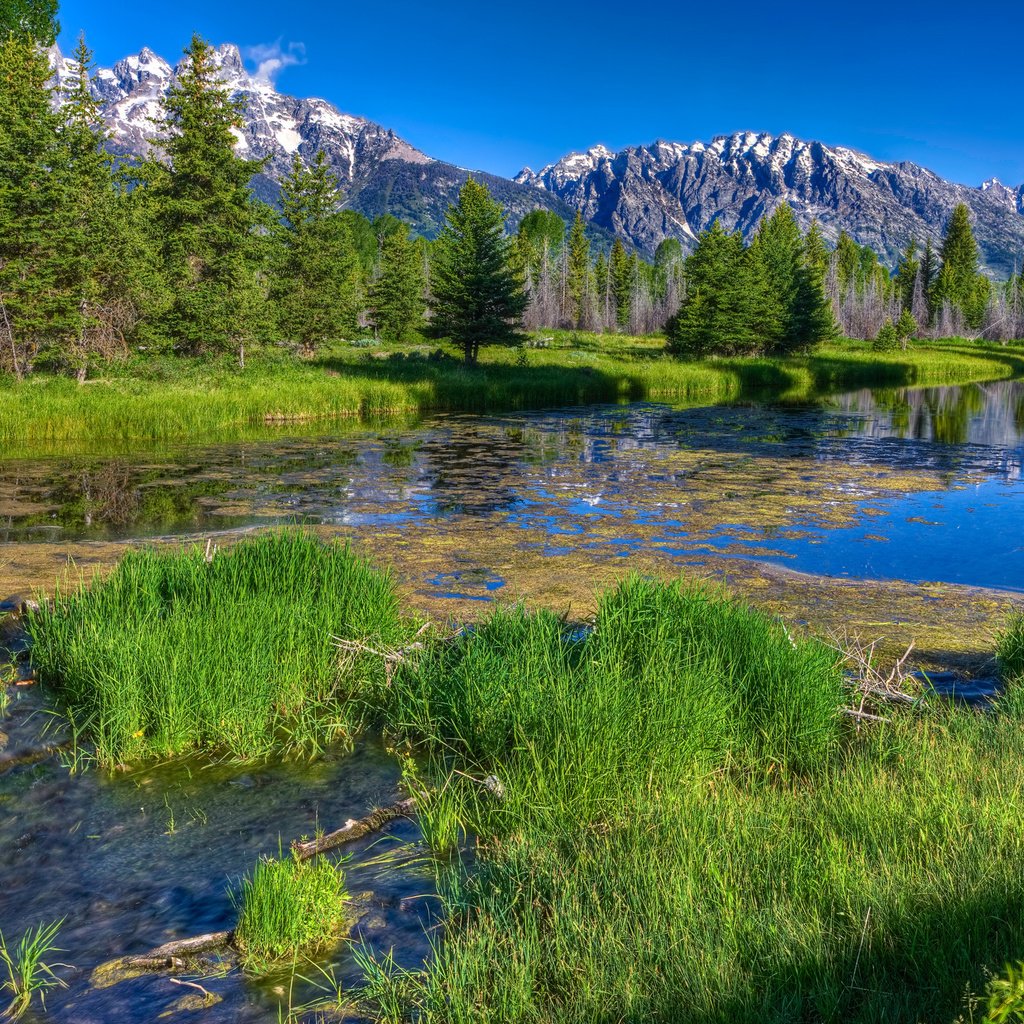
<point>100,256</point>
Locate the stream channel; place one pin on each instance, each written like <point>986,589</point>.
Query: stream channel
<point>915,485</point>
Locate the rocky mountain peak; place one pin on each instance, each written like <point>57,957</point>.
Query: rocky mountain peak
<point>676,190</point>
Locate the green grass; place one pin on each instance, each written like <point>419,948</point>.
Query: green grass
<point>154,399</point>
<point>28,975</point>
<point>288,908</point>
<point>174,653</point>
<point>690,833</point>
<point>1010,649</point>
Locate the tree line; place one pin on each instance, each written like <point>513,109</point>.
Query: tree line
<point>174,253</point>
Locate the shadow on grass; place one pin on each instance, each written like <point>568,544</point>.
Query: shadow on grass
<point>917,966</point>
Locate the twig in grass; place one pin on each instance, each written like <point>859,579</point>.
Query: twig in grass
<point>392,657</point>
<point>875,687</point>
<point>860,948</point>
<point>192,984</point>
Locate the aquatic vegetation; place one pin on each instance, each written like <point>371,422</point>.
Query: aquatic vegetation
<point>288,907</point>
<point>231,652</point>
<point>28,975</point>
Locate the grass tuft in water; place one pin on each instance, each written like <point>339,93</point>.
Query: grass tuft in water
<point>28,975</point>
<point>1010,649</point>
<point>175,652</point>
<point>288,908</point>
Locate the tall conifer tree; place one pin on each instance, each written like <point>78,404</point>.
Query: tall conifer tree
<point>478,296</point>
<point>316,281</point>
<point>396,299</point>
<point>206,213</point>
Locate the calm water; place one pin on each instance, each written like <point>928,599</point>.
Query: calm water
<point>914,485</point>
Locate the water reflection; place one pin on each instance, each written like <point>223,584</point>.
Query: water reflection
<point>891,484</point>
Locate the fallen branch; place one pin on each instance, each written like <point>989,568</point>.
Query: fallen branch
<point>175,955</point>
<point>353,829</point>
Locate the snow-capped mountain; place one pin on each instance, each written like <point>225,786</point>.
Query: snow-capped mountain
<point>672,190</point>
<point>378,171</point>
<point>642,194</point>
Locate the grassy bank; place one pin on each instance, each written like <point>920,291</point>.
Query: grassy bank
<point>171,399</point>
<point>688,828</point>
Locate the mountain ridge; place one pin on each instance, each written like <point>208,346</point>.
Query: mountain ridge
<point>643,194</point>
<point>671,189</point>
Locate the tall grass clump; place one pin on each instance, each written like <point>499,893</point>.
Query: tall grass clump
<point>28,975</point>
<point>685,830</point>
<point>288,908</point>
<point>1010,649</point>
<point>177,652</point>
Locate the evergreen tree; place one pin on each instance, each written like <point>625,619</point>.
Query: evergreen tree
<point>316,284</point>
<point>478,297</point>
<point>959,282</point>
<point>397,297</point>
<point>959,255</point>
<point>34,308</point>
<point>906,274</point>
<point>928,272</point>
<point>92,274</point>
<point>816,253</point>
<point>888,338</point>
<point>29,21</point>
<point>727,309</point>
<point>847,258</point>
<point>578,270</point>
<point>621,273</point>
<point>206,214</point>
<point>906,327</point>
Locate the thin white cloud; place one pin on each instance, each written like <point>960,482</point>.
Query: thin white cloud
<point>272,58</point>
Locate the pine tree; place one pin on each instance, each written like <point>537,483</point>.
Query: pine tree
<point>928,272</point>
<point>316,272</point>
<point>34,309</point>
<point>206,214</point>
<point>620,270</point>
<point>727,309</point>
<point>92,275</point>
<point>906,327</point>
<point>397,304</point>
<point>578,271</point>
<point>29,21</point>
<point>478,297</point>
<point>906,273</point>
<point>888,338</point>
<point>816,253</point>
<point>959,282</point>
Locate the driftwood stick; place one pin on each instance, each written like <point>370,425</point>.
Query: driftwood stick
<point>353,829</point>
<point>170,954</point>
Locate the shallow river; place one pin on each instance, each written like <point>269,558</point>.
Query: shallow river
<point>912,485</point>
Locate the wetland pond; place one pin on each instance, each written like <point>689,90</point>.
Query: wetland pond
<point>917,485</point>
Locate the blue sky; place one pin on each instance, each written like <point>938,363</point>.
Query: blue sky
<point>497,86</point>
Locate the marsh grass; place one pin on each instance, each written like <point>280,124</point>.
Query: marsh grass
<point>690,833</point>
<point>28,974</point>
<point>176,652</point>
<point>1010,649</point>
<point>288,908</point>
<point>154,399</point>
